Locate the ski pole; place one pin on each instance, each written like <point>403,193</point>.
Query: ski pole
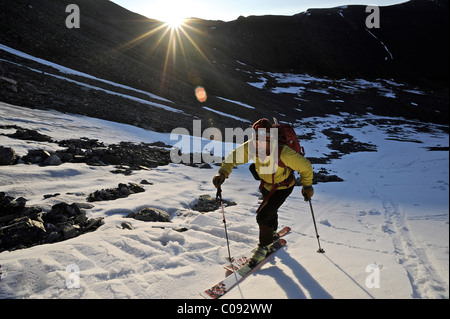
<point>219,197</point>
<point>320,250</point>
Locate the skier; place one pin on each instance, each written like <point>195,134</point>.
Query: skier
<point>277,180</point>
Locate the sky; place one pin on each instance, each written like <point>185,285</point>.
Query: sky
<point>228,10</point>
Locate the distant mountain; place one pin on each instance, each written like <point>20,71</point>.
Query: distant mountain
<point>250,61</point>
<point>411,43</point>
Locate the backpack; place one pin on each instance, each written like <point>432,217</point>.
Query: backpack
<point>287,136</point>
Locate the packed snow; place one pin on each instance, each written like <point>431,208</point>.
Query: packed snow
<point>384,229</point>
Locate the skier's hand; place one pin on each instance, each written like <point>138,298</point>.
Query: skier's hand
<point>307,192</point>
<point>218,179</point>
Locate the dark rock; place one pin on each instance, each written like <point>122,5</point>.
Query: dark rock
<point>52,237</point>
<point>127,225</point>
<point>53,160</point>
<point>63,212</point>
<point>207,203</point>
<point>126,156</point>
<point>24,231</point>
<point>151,214</point>
<point>70,231</point>
<point>121,191</point>
<point>8,156</point>
<point>94,223</point>
<point>22,226</point>
<point>51,195</point>
<point>36,157</point>
<point>83,142</point>
<point>12,208</point>
<point>32,135</point>
<point>122,170</point>
<point>323,176</point>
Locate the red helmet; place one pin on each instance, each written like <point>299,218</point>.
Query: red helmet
<point>262,129</point>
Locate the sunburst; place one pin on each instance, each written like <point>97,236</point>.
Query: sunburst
<point>176,34</point>
<point>174,22</point>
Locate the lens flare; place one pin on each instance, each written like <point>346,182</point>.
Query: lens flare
<point>201,95</point>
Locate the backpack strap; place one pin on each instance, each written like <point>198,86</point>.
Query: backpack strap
<point>286,182</point>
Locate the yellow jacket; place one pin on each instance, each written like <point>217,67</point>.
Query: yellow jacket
<point>268,166</point>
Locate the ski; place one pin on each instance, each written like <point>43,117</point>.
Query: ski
<point>239,275</point>
<point>243,260</point>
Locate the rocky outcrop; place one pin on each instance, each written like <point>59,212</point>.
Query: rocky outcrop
<point>24,226</point>
<point>121,191</point>
<point>32,135</point>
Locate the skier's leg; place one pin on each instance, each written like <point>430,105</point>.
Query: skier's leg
<point>267,220</point>
<point>265,234</point>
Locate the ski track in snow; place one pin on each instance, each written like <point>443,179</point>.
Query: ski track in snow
<point>425,281</point>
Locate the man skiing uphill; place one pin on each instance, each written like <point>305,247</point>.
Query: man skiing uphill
<point>274,164</point>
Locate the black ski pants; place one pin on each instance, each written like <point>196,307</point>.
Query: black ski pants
<point>267,218</point>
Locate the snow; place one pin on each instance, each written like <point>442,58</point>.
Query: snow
<point>299,84</point>
<point>384,229</point>
<point>126,96</point>
<point>384,45</point>
<point>70,71</point>
<point>259,85</point>
<point>237,102</point>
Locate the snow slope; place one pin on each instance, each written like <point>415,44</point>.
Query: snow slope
<point>384,229</point>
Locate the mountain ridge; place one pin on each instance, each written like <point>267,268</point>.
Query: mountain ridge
<point>224,58</point>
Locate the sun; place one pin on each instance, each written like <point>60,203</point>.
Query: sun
<point>178,34</point>
<point>174,22</point>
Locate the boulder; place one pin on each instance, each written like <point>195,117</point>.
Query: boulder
<point>207,203</point>
<point>36,157</point>
<point>22,226</point>
<point>8,156</point>
<point>122,191</point>
<point>151,214</point>
<point>32,135</point>
<point>94,223</point>
<point>53,160</point>
<point>23,231</point>
<point>63,212</point>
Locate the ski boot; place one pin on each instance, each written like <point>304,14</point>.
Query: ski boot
<point>275,236</point>
<point>259,253</point>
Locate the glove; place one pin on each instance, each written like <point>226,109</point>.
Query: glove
<point>307,192</point>
<point>218,179</point>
